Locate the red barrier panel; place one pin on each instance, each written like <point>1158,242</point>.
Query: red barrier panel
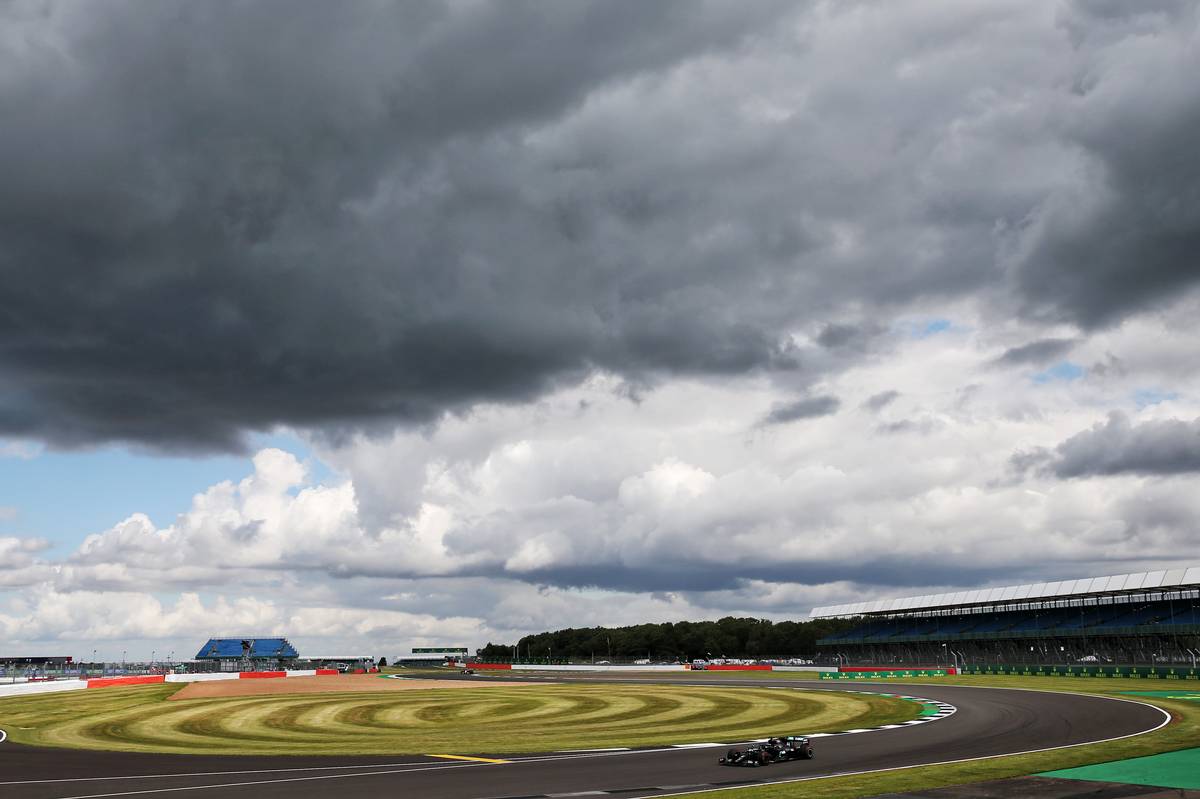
<point>501,666</point>
<point>326,672</point>
<point>260,675</point>
<point>733,667</point>
<point>109,682</point>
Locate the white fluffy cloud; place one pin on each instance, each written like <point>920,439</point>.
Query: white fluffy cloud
<point>594,507</point>
<point>757,311</point>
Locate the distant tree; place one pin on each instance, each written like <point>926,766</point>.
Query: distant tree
<point>494,652</point>
<point>729,637</point>
<point>382,662</point>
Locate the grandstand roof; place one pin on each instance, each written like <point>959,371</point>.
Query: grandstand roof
<point>230,648</point>
<point>1141,582</point>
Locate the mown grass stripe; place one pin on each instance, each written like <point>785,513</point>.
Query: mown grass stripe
<point>518,719</point>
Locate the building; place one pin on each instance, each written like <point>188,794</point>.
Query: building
<point>1143,618</point>
<point>35,661</point>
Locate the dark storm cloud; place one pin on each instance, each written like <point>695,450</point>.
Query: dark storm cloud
<point>191,234</point>
<point>222,217</point>
<point>1161,447</point>
<point>1130,237</point>
<point>1036,353</point>
<point>806,408</point>
<point>877,402</point>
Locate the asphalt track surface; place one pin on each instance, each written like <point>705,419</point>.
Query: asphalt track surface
<point>988,722</point>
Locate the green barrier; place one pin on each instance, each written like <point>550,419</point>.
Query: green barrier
<point>1127,672</point>
<point>875,675</point>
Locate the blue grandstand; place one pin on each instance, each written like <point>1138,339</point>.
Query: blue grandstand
<point>277,649</point>
<point>1143,618</point>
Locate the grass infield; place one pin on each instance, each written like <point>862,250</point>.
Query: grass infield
<point>1182,733</point>
<point>466,720</point>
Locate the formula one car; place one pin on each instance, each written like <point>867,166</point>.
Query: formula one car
<point>750,756</point>
<point>790,747</point>
<point>775,750</point>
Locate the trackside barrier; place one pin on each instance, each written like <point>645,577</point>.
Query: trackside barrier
<point>55,686</point>
<point>591,667</point>
<point>1125,672</point>
<point>914,667</point>
<point>203,677</point>
<point>26,688</point>
<point>261,675</point>
<point>647,667</point>
<point>113,682</point>
<point>871,675</point>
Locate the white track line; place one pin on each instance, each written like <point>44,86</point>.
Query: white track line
<point>543,758</point>
<point>3,736</point>
<point>262,782</point>
<point>1162,724</point>
<point>415,766</point>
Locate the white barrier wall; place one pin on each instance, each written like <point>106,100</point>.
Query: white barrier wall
<point>220,675</point>
<point>54,686</point>
<point>301,672</point>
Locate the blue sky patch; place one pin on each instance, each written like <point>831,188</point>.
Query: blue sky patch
<point>1065,372</point>
<point>66,496</point>
<point>1145,397</point>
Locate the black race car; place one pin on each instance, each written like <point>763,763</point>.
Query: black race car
<point>750,756</point>
<point>775,750</point>
<point>790,747</point>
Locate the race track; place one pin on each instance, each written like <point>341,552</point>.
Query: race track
<point>988,722</point>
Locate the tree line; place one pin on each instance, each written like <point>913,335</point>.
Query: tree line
<point>729,637</point>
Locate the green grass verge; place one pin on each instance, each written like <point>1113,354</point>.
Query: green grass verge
<point>1182,733</point>
<point>499,719</point>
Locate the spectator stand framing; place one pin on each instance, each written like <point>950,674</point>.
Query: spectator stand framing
<point>1147,618</point>
<point>246,654</point>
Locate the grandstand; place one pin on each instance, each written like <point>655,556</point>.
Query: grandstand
<point>1144,618</point>
<point>250,654</point>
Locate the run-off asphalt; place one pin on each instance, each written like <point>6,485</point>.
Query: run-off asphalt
<point>988,722</point>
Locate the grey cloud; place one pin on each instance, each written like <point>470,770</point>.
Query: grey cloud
<point>1036,352</point>
<point>1161,447</point>
<point>219,218</point>
<point>1128,236</point>
<point>921,426</point>
<point>847,336</point>
<point>222,218</point>
<point>877,402</point>
<point>806,408</point>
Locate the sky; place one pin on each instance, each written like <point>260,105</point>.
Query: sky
<point>441,322</point>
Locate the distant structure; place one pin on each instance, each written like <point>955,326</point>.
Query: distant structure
<point>432,656</point>
<point>1150,618</point>
<point>35,660</point>
<point>247,654</point>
